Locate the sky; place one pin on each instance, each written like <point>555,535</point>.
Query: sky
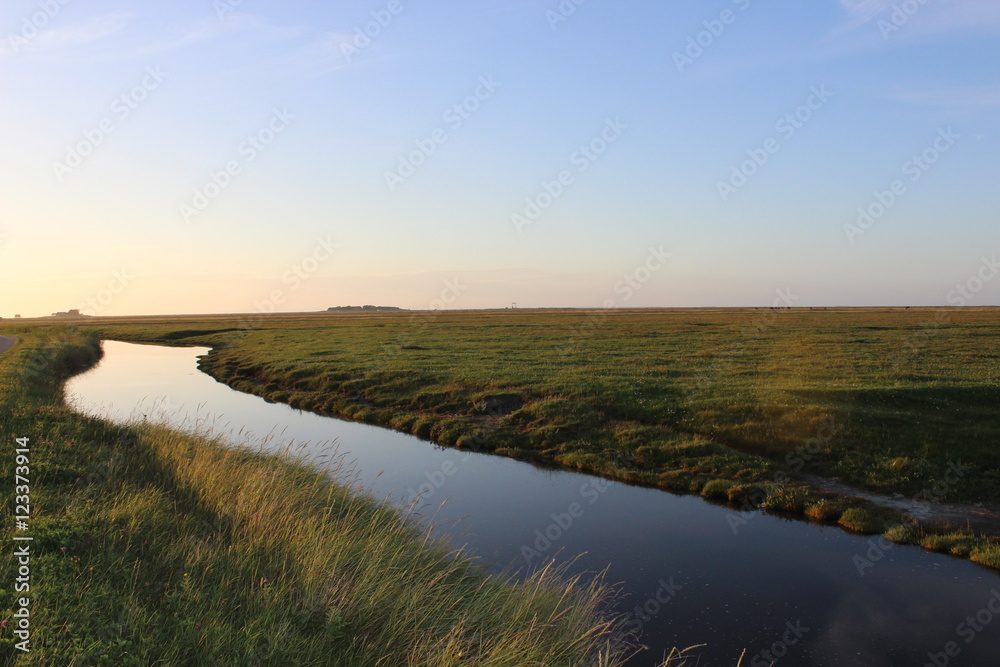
<point>219,156</point>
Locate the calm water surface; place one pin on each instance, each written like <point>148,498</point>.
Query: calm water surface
<point>786,587</point>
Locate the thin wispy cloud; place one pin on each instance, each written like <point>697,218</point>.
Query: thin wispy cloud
<point>938,18</point>
<point>113,37</point>
<point>305,49</point>
<point>318,54</point>
<point>962,15</point>
<point>955,97</point>
<point>63,37</point>
<point>860,12</point>
<point>257,29</point>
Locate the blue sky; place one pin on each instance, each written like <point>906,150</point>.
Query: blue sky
<point>200,156</point>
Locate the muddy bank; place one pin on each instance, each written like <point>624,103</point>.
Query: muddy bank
<point>980,517</point>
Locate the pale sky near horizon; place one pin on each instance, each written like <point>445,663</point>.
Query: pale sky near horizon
<point>420,153</point>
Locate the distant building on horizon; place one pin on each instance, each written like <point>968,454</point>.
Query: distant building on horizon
<point>75,312</point>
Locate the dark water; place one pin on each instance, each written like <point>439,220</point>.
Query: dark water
<point>786,587</point>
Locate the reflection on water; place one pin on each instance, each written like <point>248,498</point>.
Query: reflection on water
<point>785,591</point>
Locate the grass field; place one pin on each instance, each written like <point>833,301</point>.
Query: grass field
<point>887,398</point>
<point>156,548</point>
<point>731,404</point>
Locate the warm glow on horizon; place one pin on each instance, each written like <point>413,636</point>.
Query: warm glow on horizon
<point>195,157</point>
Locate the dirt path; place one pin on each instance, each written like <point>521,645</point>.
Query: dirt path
<point>982,517</point>
<point>6,342</point>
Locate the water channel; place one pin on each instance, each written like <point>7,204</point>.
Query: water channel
<point>787,592</point>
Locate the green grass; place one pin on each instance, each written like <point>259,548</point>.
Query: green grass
<point>884,399</point>
<point>869,519</point>
<point>730,404</point>
<point>153,547</point>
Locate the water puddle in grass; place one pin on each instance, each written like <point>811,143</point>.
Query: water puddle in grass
<point>785,591</point>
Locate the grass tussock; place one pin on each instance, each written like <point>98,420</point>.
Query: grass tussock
<point>153,547</point>
<point>987,554</point>
<point>869,519</point>
<point>826,510</point>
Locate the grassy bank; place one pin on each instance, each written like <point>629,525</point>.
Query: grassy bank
<point>731,404</point>
<point>152,547</point>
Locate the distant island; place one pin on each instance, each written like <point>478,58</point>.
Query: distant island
<point>363,309</point>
